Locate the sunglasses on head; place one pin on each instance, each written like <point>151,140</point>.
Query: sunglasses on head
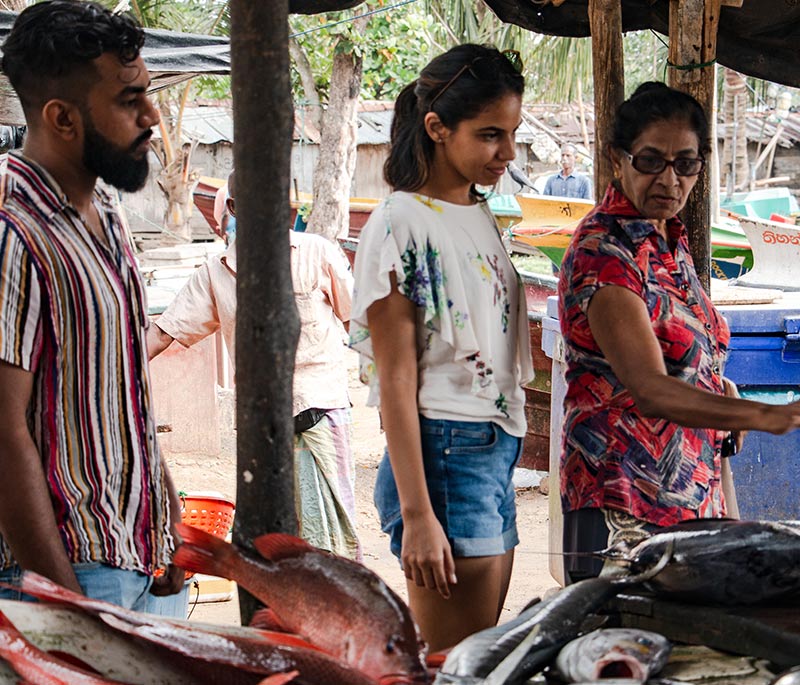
<point>654,164</point>
<point>481,69</point>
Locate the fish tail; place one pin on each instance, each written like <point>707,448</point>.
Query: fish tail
<point>669,548</point>
<point>202,552</point>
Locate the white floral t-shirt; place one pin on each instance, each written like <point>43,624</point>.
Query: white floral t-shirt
<point>473,344</point>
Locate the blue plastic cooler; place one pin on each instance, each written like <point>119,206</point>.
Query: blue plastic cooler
<point>764,361</point>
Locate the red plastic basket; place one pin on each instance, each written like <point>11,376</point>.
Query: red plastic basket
<point>211,513</point>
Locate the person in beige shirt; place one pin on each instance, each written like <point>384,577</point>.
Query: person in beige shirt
<point>323,288</point>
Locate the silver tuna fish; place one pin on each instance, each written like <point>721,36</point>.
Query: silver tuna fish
<point>716,561</point>
<point>613,653</point>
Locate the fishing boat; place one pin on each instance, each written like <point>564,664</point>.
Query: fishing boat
<point>548,222</point>
<point>207,186</point>
<point>776,253</point>
<point>762,203</point>
<point>360,208</point>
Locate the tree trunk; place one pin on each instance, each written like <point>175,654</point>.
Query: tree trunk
<point>333,175</point>
<point>267,324</point>
<point>693,50</point>
<point>303,66</point>
<point>10,107</point>
<point>177,181</point>
<point>735,167</point>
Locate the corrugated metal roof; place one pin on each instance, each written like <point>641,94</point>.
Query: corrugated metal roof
<point>373,127</point>
<point>208,125</point>
<point>213,124</point>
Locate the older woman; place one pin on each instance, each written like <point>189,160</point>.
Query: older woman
<point>647,407</point>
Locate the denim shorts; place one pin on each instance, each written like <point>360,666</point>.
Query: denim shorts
<point>127,589</point>
<point>468,469</point>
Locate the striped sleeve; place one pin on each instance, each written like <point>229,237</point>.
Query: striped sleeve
<point>20,299</point>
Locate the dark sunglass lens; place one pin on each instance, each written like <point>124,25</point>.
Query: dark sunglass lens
<point>648,164</point>
<point>688,167</point>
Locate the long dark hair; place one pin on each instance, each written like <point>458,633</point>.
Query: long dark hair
<point>456,85</point>
<point>652,102</point>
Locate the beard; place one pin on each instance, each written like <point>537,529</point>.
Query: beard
<point>116,166</point>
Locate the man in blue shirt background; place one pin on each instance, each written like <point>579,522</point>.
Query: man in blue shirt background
<point>568,183</point>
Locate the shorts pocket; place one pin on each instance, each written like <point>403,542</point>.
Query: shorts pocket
<point>482,438</point>
<point>385,496</point>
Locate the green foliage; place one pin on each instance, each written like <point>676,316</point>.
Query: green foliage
<point>394,47</point>
<point>212,87</point>
<point>190,16</point>
<point>646,56</point>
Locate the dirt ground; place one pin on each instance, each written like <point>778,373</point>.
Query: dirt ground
<point>530,578</point>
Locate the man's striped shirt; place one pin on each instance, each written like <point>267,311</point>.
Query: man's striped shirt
<point>72,311</point>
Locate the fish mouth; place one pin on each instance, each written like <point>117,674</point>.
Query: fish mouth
<point>620,666</point>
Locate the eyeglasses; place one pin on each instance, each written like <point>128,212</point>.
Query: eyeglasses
<point>480,70</point>
<point>653,164</point>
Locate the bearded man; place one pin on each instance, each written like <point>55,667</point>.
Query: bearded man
<point>85,498</point>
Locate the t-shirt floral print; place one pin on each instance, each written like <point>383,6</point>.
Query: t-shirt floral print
<point>613,457</point>
<point>473,345</point>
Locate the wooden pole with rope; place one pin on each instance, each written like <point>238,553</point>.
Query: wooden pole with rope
<point>605,19</point>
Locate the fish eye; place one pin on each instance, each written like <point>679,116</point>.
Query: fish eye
<point>391,646</point>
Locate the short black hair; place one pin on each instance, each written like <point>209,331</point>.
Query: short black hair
<point>653,102</point>
<point>52,43</point>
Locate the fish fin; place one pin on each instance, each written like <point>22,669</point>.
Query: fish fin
<point>437,659</point>
<point>5,622</point>
<point>288,639</point>
<point>202,552</point>
<point>530,604</point>
<point>267,619</point>
<point>279,678</point>
<point>276,546</point>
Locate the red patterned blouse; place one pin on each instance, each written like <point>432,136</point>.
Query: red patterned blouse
<point>613,457</point>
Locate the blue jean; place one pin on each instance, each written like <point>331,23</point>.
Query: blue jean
<point>128,589</point>
<point>469,467</point>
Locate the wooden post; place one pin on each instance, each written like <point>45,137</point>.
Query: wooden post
<point>692,52</point>
<point>605,19</point>
<point>267,324</point>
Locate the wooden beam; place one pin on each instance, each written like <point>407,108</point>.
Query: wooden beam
<point>693,28</point>
<point>605,19</point>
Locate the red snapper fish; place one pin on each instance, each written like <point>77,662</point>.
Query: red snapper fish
<point>38,667</point>
<point>223,655</point>
<point>333,602</point>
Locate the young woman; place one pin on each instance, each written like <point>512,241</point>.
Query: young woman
<point>440,319</point>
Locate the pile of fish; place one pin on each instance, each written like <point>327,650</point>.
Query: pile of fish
<point>332,621</point>
<point>337,623</point>
<point>722,562</point>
